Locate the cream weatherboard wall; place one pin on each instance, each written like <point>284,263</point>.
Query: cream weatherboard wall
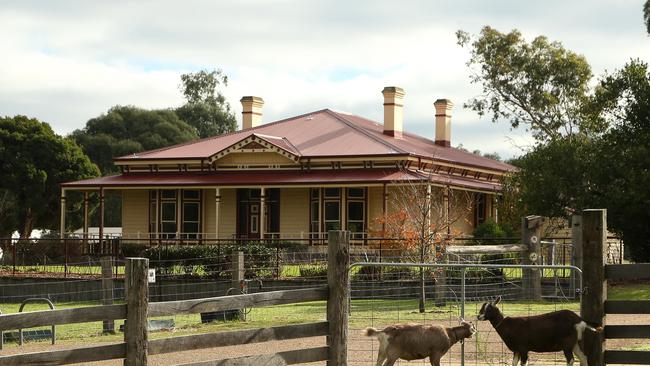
<point>294,211</point>
<point>135,213</point>
<point>227,212</point>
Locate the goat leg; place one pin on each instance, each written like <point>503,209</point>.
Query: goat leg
<point>568,354</point>
<point>581,356</point>
<point>515,359</point>
<point>435,359</point>
<point>380,358</point>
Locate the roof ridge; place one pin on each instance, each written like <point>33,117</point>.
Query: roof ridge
<point>292,145</point>
<point>351,124</point>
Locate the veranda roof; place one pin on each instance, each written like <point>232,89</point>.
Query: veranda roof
<point>276,178</point>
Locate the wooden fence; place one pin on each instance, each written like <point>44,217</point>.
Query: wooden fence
<point>136,346</point>
<point>595,305</point>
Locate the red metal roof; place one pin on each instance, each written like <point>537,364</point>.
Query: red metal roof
<point>326,133</point>
<point>253,177</point>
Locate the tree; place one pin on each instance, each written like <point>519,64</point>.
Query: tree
<point>35,161</point>
<point>126,130</point>
<point>8,208</point>
<point>621,167</point>
<point>421,221</point>
<point>646,15</point>
<point>206,109</point>
<point>539,85</point>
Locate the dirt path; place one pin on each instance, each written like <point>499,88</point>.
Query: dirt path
<point>361,350</point>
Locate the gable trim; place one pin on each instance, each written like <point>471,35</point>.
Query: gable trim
<point>253,140</point>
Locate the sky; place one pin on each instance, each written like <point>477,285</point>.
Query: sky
<point>65,62</point>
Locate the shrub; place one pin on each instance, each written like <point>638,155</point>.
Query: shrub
<point>133,249</point>
<point>211,260</point>
<point>313,270</point>
<point>372,273</point>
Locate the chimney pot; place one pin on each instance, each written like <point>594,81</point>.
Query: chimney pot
<point>393,111</point>
<point>251,111</point>
<point>443,121</point>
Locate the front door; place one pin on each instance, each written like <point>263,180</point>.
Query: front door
<point>249,212</point>
<point>253,231</point>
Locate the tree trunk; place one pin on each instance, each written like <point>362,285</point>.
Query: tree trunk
<point>27,225</point>
<point>422,289</point>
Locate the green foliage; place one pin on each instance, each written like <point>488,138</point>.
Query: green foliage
<point>209,119</point>
<point>554,178</point>
<point>208,260</point>
<point>206,109</point>
<point>8,221</point>
<point>491,230</point>
<point>611,171</point>
<point>372,273</point>
<point>313,271</point>
<point>125,130</point>
<point>35,161</point>
<point>646,15</point>
<point>540,84</point>
<point>620,170</point>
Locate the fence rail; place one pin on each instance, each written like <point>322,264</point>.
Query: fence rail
<point>176,344</point>
<point>137,347</point>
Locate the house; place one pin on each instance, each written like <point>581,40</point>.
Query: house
<point>294,178</point>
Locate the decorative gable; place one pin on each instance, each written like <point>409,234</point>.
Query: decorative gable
<point>265,149</point>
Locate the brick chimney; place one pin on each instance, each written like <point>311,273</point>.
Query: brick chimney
<point>393,111</point>
<point>443,121</point>
<point>251,111</point>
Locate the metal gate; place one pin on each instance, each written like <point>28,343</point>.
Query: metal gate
<point>383,294</point>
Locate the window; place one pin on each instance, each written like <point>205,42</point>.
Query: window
<point>168,219</point>
<point>332,192</point>
<point>314,209</point>
<point>356,193</point>
<point>332,210</point>
<point>168,194</point>
<point>356,213</point>
<point>152,217</point>
<point>191,214</point>
<point>164,215</point>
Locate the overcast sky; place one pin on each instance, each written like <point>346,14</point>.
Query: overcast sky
<point>65,62</point>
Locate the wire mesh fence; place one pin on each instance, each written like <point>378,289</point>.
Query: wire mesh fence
<point>452,291</point>
<point>381,295</point>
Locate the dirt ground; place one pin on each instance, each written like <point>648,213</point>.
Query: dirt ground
<point>362,350</point>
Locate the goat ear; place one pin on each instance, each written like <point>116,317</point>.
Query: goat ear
<point>497,300</point>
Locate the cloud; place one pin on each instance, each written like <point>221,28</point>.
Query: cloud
<point>68,61</point>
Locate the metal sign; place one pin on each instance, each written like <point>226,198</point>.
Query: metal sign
<point>151,278</point>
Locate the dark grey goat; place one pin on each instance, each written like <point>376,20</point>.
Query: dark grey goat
<point>551,332</point>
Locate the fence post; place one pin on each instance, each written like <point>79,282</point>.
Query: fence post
<point>237,276</point>
<point>531,232</point>
<point>594,294</point>
<point>108,326</point>
<point>137,302</point>
<point>576,246</point>
<point>338,281</point>
<point>237,269</point>
<point>441,280</point>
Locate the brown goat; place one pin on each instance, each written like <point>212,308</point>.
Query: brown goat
<point>416,342</point>
<point>551,332</point>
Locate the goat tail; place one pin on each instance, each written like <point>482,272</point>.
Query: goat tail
<point>594,327</point>
<point>371,332</point>
<point>597,329</point>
